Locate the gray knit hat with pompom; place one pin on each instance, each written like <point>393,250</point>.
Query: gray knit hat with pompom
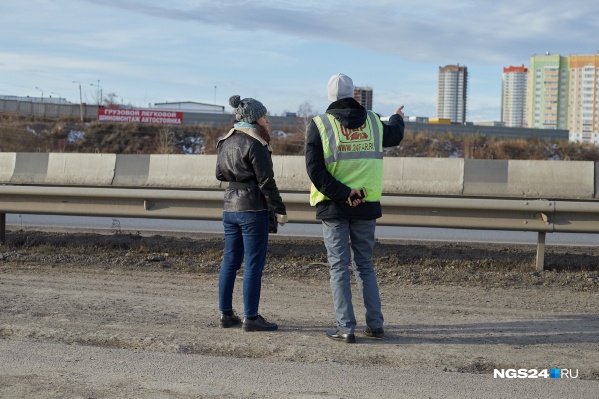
<point>247,110</point>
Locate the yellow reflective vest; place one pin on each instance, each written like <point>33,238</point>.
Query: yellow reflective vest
<point>353,156</point>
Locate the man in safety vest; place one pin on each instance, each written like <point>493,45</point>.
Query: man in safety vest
<point>344,160</point>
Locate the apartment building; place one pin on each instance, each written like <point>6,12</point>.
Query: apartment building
<point>583,110</point>
<point>363,95</point>
<point>547,93</point>
<point>513,96</point>
<point>452,93</point>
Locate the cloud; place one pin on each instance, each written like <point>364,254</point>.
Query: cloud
<point>24,61</point>
<point>483,32</point>
<point>282,52</point>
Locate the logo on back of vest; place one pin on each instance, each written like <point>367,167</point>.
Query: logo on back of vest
<point>355,140</point>
<point>353,135</point>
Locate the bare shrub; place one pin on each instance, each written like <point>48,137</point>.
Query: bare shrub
<point>293,144</point>
<point>164,143</point>
<point>211,136</point>
<point>14,137</point>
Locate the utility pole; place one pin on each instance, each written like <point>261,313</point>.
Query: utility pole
<point>80,101</point>
<point>41,91</point>
<point>99,95</point>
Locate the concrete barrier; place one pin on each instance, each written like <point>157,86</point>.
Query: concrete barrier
<point>485,177</point>
<point>551,179</point>
<point>531,179</point>
<point>81,169</point>
<point>183,171</point>
<point>30,168</point>
<point>430,176</point>
<point>7,165</point>
<point>131,170</point>
<point>290,173</point>
<point>402,176</point>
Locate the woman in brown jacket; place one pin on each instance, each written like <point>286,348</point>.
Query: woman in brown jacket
<point>244,162</point>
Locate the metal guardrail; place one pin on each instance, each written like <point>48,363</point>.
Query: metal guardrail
<point>541,216</point>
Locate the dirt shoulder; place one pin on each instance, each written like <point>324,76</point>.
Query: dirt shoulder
<point>397,262</point>
<point>448,307</point>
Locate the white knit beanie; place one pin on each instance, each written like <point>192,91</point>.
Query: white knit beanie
<point>340,86</point>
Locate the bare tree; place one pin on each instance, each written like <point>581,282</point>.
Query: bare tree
<point>305,113</point>
<point>165,140</point>
<point>111,100</point>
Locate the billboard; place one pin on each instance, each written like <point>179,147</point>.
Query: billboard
<point>140,116</point>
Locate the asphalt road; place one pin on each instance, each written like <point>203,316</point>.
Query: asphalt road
<point>298,230</point>
<point>184,376</point>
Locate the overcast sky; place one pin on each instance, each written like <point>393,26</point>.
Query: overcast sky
<point>281,52</point>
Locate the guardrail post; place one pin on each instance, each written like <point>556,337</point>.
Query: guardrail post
<point>2,228</point>
<point>540,251</point>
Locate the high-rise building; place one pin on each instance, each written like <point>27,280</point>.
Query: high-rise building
<point>513,96</point>
<point>547,95</point>
<point>452,93</point>
<point>583,110</point>
<point>363,95</point>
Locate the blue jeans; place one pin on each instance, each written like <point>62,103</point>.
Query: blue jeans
<point>246,236</point>
<point>343,237</point>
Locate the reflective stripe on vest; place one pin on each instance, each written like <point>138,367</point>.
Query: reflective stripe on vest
<point>352,156</point>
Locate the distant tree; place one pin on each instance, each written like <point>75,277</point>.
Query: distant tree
<point>111,100</point>
<point>305,113</point>
<point>165,140</point>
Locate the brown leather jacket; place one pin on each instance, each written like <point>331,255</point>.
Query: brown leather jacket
<point>244,157</point>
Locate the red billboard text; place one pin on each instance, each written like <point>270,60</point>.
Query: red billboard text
<point>140,116</point>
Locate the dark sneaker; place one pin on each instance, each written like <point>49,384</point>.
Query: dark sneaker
<point>339,336</point>
<point>260,324</point>
<point>374,333</point>
<point>227,321</point>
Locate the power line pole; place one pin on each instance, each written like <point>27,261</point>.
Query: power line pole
<point>80,100</point>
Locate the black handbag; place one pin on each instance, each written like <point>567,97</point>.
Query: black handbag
<point>272,221</point>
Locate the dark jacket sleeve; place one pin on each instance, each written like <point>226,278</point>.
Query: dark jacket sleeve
<point>393,131</point>
<point>219,172</point>
<point>317,171</point>
<point>261,161</point>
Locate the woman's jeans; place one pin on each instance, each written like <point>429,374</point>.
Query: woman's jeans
<point>246,236</point>
<point>341,238</point>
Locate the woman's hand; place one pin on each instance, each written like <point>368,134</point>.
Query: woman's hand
<point>281,219</point>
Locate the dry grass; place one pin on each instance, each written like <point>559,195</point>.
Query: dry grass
<point>27,134</point>
<point>488,147</point>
